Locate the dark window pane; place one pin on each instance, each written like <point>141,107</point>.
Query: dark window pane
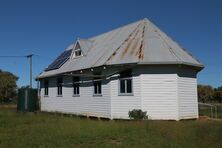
<point>60,90</point>
<point>95,88</point>
<point>76,85</point>
<point>46,87</point>
<point>74,88</point>
<point>78,53</point>
<point>122,86</point>
<point>129,86</point>
<point>46,91</point>
<point>77,91</point>
<point>100,88</point>
<point>59,86</point>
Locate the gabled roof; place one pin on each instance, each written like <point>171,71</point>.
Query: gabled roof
<point>140,42</point>
<point>85,45</point>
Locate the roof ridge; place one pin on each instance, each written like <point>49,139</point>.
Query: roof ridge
<point>116,28</point>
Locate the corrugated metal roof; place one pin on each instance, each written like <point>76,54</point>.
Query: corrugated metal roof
<point>140,42</point>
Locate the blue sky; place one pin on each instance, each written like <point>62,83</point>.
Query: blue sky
<point>46,27</point>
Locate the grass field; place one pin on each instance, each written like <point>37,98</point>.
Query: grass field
<point>47,130</point>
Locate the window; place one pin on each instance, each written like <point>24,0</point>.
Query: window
<point>75,86</point>
<point>46,85</point>
<point>59,86</point>
<point>97,87</point>
<point>125,83</point>
<point>78,51</point>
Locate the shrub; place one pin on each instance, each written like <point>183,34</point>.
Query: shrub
<point>138,114</point>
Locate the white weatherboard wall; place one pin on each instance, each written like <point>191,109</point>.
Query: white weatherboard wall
<point>187,93</point>
<point>122,104</point>
<point>159,96</point>
<point>86,104</point>
<point>163,96</point>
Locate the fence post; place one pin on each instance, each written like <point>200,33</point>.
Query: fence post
<point>211,111</point>
<point>215,111</point>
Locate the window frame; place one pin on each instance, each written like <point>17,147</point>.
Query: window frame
<point>77,88</point>
<point>124,77</point>
<point>46,89</point>
<point>77,50</point>
<point>59,87</point>
<point>98,87</point>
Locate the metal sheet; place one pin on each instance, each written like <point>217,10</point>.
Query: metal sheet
<point>140,42</point>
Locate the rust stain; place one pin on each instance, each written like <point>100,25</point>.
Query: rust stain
<point>126,49</point>
<point>140,53</point>
<point>114,53</point>
<point>134,46</point>
<point>131,43</point>
<point>128,43</point>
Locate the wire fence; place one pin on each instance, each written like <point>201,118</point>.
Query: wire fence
<point>212,110</point>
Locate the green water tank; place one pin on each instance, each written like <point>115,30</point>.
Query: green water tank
<point>27,99</point>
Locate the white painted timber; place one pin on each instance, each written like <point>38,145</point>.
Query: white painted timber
<point>159,96</point>
<point>164,95</point>
<point>120,104</point>
<point>187,93</point>
<point>86,104</point>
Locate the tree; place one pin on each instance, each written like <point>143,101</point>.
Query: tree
<point>218,96</point>
<point>218,88</point>
<point>205,93</point>
<point>7,86</point>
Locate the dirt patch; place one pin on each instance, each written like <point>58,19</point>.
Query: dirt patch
<point>114,141</point>
<point>203,118</point>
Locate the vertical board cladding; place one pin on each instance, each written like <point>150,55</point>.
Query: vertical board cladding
<point>159,96</point>
<point>120,104</point>
<point>187,93</point>
<point>84,104</point>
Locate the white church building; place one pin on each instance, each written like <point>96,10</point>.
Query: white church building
<point>136,66</point>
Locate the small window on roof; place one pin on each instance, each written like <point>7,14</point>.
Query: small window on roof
<point>77,50</point>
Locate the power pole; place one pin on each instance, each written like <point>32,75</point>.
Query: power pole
<point>29,57</point>
<point>30,68</point>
